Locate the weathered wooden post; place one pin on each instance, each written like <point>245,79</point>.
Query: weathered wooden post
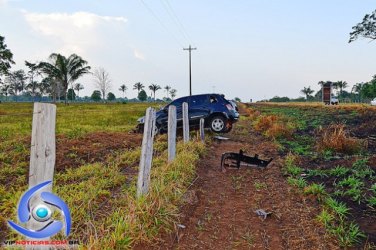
<point>42,155</point>
<point>185,122</point>
<point>171,133</point>
<point>146,153</point>
<point>202,132</point>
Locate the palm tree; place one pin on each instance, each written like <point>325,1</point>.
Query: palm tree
<point>173,93</point>
<point>357,89</point>
<point>341,85</point>
<point>167,88</point>
<point>78,87</point>
<point>65,70</point>
<point>154,88</point>
<point>307,92</point>
<point>139,86</point>
<point>321,83</point>
<point>123,88</point>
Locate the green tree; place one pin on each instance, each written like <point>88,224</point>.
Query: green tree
<point>4,90</point>
<point>307,92</point>
<point>366,28</point>
<point>96,96</point>
<point>16,81</point>
<point>78,87</point>
<point>237,99</point>
<point>167,88</point>
<point>142,96</point>
<point>357,89</point>
<point>173,93</point>
<point>71,95</point>
<point>123,88</point>
<point>64,70</point>
<point>46,86</point>
<point>369,88</point>
<point>6,58</point>
<point>111,97</point>
<point>139,86</point>
<point>154,88</point>
<point>31,75</point>
<point>341,85</point>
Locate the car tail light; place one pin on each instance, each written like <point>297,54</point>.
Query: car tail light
<point>229,107</point>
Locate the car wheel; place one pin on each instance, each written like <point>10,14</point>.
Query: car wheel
<point>218,124</point>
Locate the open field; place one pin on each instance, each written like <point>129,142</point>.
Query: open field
<point>96,165</point>
<point>320,187</point>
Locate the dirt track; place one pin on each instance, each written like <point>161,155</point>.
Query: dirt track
<point>220,209</point>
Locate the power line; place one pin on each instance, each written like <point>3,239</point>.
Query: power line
<point>170,11</point>
<point>161,23</point>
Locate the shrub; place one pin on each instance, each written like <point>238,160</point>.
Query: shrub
<point>335,138</point>
<point>273,126</point>
<point>265,122</point>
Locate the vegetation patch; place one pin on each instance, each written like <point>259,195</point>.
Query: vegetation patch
<point>330,157</point>
<point>335,138</point>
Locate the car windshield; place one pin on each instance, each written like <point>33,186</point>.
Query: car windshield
<point>177,103</point>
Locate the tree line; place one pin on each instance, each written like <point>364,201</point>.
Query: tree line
<point>57,79</point>
<point>360,92</point>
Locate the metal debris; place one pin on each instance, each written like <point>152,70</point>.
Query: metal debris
<point>262,213</point>
<point>237,158</point>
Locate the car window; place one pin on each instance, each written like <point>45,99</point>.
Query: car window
<point>198,100</point>
<point>179,102</point>
<point>213,99</point>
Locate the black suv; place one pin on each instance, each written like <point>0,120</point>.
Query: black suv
<point>219,113</point>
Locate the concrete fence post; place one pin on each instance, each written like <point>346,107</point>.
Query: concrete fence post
<point>146,153</point>
<point>42,155</point>
<point>185,122</point>
<point>171,133</point>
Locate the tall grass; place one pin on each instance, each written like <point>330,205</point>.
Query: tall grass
<point>336,138</point>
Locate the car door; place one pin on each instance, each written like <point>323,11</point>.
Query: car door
<point>198,108</point>
<point>178,103</point>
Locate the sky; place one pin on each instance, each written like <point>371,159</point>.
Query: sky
<point>250,49</point>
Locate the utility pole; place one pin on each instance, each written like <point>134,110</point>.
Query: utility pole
<point>190,69</point>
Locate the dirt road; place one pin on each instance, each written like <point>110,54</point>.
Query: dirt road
<point>220,207</point>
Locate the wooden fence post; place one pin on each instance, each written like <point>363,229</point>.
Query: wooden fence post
<point>42,154</point>
<point>146,153</point>
<point>171,133</point>
<point>202,132</point>
<point>185,123</point>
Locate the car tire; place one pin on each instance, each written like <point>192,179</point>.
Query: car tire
<point>218,124</point>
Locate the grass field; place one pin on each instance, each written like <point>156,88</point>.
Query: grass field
<point>330,155</point>
<point>328,158</point>
<point>96,165</point>
<point>15,119</point>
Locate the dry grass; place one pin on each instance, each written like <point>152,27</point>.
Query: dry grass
<point>336,138</point>
<point>273,126</point>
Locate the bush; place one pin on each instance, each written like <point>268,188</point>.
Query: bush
<point>335,138</point>
<point>273,126</point>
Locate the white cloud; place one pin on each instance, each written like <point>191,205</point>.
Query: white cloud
<point>76,32</point>
<point>137,54</point>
